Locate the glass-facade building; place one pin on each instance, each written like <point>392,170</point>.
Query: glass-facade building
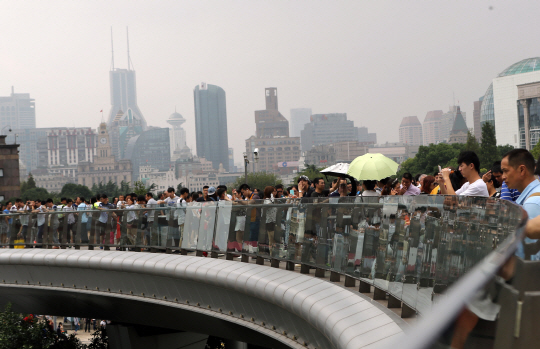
<point>500,104</point>
<point>525,66</point>
<point>150,148</point>
<point>211,125</point>
<point>17,111</point>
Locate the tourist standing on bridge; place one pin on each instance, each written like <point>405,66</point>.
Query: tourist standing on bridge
<point>104,206</point>
<point>506,193</point>
<point>171,201</point>
<point>469,165</point>
<point>518,172</point>
<point>304,189</point>
<point>407,186</point>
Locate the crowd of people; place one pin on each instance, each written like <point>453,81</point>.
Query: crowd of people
<point>512,178</point>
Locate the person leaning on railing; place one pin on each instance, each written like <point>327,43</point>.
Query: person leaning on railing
<point>518,169</point>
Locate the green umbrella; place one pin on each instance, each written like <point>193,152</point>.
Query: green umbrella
<point>372,167</point>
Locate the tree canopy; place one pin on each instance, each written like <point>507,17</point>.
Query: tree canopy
<point>258,180</point>
<point>488,149</point>
<point>72,190</point>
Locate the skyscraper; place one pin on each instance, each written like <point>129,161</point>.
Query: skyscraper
<point>431,127</point>
<point>17,111</point>
<point>125,118</point>
<point>476,119</point>
<point>299,117</point>
<point>410,131</point>
<point>328,129</point>
<point>211,124</point>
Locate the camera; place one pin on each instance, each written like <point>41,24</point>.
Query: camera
<point>256,151</point>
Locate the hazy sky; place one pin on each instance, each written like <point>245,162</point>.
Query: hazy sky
<point>378,61</point>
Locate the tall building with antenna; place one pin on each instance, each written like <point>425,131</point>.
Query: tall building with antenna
<point>125,118</point>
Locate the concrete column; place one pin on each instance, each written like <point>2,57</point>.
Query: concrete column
<point>526,116</point>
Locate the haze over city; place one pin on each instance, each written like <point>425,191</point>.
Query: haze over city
<point>377,62</point>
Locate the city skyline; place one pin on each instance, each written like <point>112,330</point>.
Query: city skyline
<point>231,58</point>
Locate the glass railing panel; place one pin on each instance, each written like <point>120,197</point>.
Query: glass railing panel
<point>340,228</point>
<point>223,232</point>
<point>191,226</point>
<point>267,223</point>
<point>207,226</point>
<point>279,242</point>
<point>296,229</point>
<point>324,233</point>
<point>237,224</point>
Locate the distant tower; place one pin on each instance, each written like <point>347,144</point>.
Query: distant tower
<point>459,131</point>
<point>123,91</point>
<point>271,98</point>
<point>211,124</point>
<point>177,133</point>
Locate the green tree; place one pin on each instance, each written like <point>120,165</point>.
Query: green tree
<point>503,149</point>
<point>124,188</point>
<point>110,189</point>
<point>536,151</point>
<point>141,189</point>
<point>488,149</point>
<point>258,180</point>
<point>72,190</point>
<point>36,194</point>
<point>20,331</point>
<point>429,158</point>
<point>472,143</point>
<point>30,183</point>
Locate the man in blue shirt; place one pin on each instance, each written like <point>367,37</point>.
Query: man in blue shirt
<point>506,193</point>
<point>518,172</point>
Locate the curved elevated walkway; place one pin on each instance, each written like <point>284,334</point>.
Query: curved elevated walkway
<point>224,298</point>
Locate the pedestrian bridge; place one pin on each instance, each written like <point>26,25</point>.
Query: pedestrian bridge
<point>400,253</point>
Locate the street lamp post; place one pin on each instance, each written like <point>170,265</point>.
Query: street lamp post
<point>246,162</point>
<point>3,128</point>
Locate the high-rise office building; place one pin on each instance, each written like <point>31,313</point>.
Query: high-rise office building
<point>211,124</point>
<point>177,134</point>
<point>364,137</point>
<point>299,117</point>
<point>410,131</point>
<point>327,129</point>
<point>150,148</point>
<point>17,111</point>
<point>125,118</point>
<point>431,127</point>
<point>476,119</point>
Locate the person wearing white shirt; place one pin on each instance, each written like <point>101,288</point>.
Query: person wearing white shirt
<point>152,204</point>
<point>173,235</point>
<point>469,165</point>
<point>131,221</point>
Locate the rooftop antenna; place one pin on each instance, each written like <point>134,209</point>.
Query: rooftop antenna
<point>112,50</point>
<point>129,58</point>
